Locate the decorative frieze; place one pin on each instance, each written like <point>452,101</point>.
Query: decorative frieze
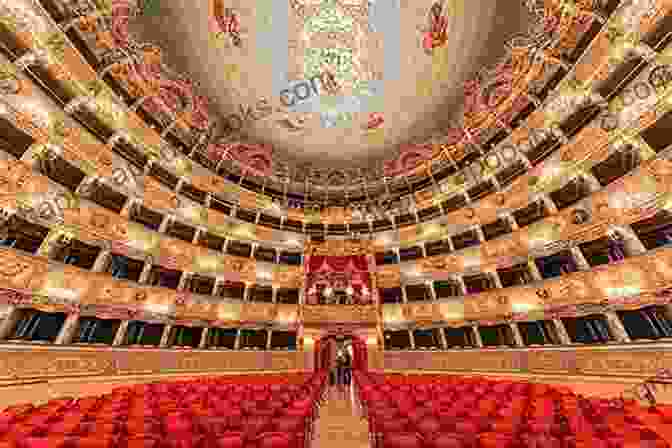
<point>67,362</point>
<point>613,361</point>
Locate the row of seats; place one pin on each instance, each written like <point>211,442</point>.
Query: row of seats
<point>425,411</point>
<point>263,411</point>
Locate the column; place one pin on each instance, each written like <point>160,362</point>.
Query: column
<point>616,327</point>
<point>460,282</point>
<point>592,182</point>
<point>412,339</point>
<point>561,332</point>
<point>121,333</point>
<point>254,249</point>
<point>479,234</point>
<point>633,244</point>
<point>580,260</point>
<point>184,278</point>
<point>442,339</point>
<point>450,243</point>
<point>477,336</point>
<point>534,270</point>
<point>217,287</point>
<point>495,278</point>
<point>102,260</point>
<point>197,236</point>
<point>47,245</point>
<point>144,275</point>
<point>548,203</point>
<point>268,339</point>
<point>225,245</point>
<point>165,335</point>
<point>67,330</point>
<point>167,221</point>
<point>512,222</point>
<point>517,337</point>
<point>236,344</point>
<point>148,166</point>
<point>302,300</point>
<point>127,209</point>
<point>274,293</point>
<point>9,322</point>
<point>204,338</point>
<point>246,292</point>
<point>404,296</point>
<point>432,291</point>
<point>277,256</point>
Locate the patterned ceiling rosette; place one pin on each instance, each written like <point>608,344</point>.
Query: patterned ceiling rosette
<point>567,20</point>
<point>150,77</point>
<point>122,11</point>
<point>256,159</point>
<point>142,74</point>
<point>497,97</point>
<point>410,157</point>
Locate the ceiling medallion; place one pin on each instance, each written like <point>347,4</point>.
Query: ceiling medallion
<point>337,21</point>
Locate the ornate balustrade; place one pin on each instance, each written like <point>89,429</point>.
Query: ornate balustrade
<point>634,361</point>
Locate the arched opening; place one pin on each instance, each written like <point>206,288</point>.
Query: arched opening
<point>341,355</point>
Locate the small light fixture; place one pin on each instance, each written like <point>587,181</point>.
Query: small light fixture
<point>349,291</point>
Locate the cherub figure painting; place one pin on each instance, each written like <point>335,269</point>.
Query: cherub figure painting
<point>228,23</point>
<point>435,35</point>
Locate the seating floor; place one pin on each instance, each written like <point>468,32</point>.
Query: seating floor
<point>340,424</point>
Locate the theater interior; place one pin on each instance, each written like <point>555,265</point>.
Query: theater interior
<point>309,223</point>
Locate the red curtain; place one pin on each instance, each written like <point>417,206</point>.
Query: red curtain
<point>360,263</point>
<point>355,263</point>
<point>316,354</point>
<point>315,263</point>
<point>359,354</point>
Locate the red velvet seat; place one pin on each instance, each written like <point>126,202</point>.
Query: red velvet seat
<point>140,442</point>
<point>276,440</point>
<point>256,425</point>
<point>229,440</point>
<point>428,427</point>
<point>445,440</point>
<point>402,440</point>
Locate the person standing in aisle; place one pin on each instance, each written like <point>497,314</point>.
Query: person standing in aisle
<point>347,368</point>
<point>340,368</point>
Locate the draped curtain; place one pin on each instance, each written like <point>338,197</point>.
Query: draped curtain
<point>353,263</point>
<point>359,354</point>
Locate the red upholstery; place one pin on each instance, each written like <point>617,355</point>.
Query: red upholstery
<point>276,440</point>
<point>184,414</point>
<point>230,440</point>
<point>445,440</point>
<point>444,411</point>
<point>402,440</point>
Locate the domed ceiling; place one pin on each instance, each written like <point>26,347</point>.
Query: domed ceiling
<point>331,85</point>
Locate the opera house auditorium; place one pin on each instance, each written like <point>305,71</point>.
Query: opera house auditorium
<point>217,231</point>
